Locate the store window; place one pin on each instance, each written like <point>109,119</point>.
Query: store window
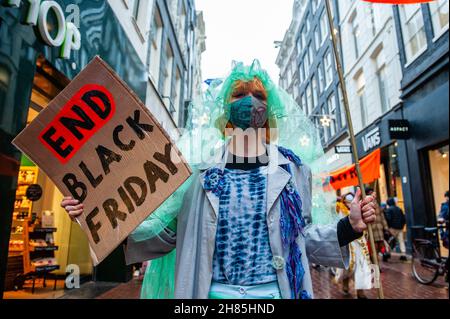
<point>414,37</point>
<point>389,185</point>
<point>43,239</point>
<point>439,169</point>
<point>439,15</point>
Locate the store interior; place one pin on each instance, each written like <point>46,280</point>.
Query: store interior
<point>44,241</point>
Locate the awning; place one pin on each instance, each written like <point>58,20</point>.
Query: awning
<point>346,176</point>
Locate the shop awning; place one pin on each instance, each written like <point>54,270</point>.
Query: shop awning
<point>346,176</point>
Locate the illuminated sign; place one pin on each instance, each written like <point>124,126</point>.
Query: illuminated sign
<point>67,37</point>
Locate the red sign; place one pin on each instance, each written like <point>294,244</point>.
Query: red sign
<point>398,1</point>
<point>87,112</point>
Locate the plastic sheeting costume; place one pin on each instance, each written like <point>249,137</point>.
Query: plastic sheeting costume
<point>299,216</point>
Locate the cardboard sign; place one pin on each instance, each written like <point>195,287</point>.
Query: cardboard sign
<point>99,144</point>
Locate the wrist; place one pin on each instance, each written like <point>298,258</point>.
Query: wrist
<point>354,224</point>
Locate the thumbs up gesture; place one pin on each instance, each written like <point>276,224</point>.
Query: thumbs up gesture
<point>362,212</point>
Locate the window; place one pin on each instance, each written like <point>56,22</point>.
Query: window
<point>342,108</point>
<point>136,5</point>
<point>304,103</point>
<point>355,35</point>
<point>360,91</point>
<point>302,73</point>
<point>324,26</point>
<point>315,5</point>
<point>304,35</point>
<point>309,99</point>
<point>323,127</point>
<point>381,82</point>
<point>165,76</point>
<point>307,25</point>
<point>306,63</point>
<point>156,31</point>
<point>439,15</point>
<point>315,92</point>
<point>299,45</point>
<point>318,40</point>
<point>311,54</point>
<point>414,37</point>
<point>332,111</point>
<point>328,69</point>
<point>176,91</point>
<point>295,90</point>
<point>321,79</point>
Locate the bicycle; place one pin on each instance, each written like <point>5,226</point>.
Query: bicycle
<point>427,262</point>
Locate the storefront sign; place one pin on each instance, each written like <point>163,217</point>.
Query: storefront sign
<point>343,149</point>
<point>100,145</point>
<point>347,176</point>
<point>34,192</point>
<point>67,37</point>
<point>371,140</point>
<point>399,129</point>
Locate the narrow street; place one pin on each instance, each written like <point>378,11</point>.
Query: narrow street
<point>396,276</point>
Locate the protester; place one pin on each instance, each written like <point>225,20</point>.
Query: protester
<point>396,221</point>
<point>244,224</point>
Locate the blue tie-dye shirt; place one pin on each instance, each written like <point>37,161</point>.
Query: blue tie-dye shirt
<point>242,251</point>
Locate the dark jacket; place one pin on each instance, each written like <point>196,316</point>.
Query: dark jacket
<point>395,217</point>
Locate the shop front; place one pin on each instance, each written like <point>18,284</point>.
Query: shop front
<point>37,61</point>
<point>388,136</point>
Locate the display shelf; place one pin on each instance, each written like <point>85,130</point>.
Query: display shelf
<point>43,248</point>
<point>42,230</point>
<point>47,268</point>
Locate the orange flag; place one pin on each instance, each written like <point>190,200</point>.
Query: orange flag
<point>370,170</point>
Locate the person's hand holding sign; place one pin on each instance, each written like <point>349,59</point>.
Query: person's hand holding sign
<point>72,207</point>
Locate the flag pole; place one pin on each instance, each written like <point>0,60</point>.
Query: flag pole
<point>353,142</point>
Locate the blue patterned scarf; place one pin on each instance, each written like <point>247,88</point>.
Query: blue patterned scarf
<point>292,224</point>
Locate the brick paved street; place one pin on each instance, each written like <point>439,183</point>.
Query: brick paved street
<point>396,277</point>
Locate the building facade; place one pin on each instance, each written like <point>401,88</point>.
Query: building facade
<point>152,46</point>
<point>308,73</point>
<point>422,33</point>
<point>395,61</point>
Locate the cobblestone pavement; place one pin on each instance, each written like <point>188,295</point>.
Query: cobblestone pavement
<point>396,278</point>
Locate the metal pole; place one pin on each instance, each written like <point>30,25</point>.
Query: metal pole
<point>352,138</point>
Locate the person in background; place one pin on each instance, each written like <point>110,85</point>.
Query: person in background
<point>443,219</point>
<point>380,227</point>
<point>396,221</point>
<point>344,276</point>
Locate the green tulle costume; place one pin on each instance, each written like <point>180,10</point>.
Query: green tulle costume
<point>204,135</point>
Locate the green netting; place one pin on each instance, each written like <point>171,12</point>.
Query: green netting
<point>204,136</point>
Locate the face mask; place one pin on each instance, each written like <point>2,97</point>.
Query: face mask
<point>248,112</point>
